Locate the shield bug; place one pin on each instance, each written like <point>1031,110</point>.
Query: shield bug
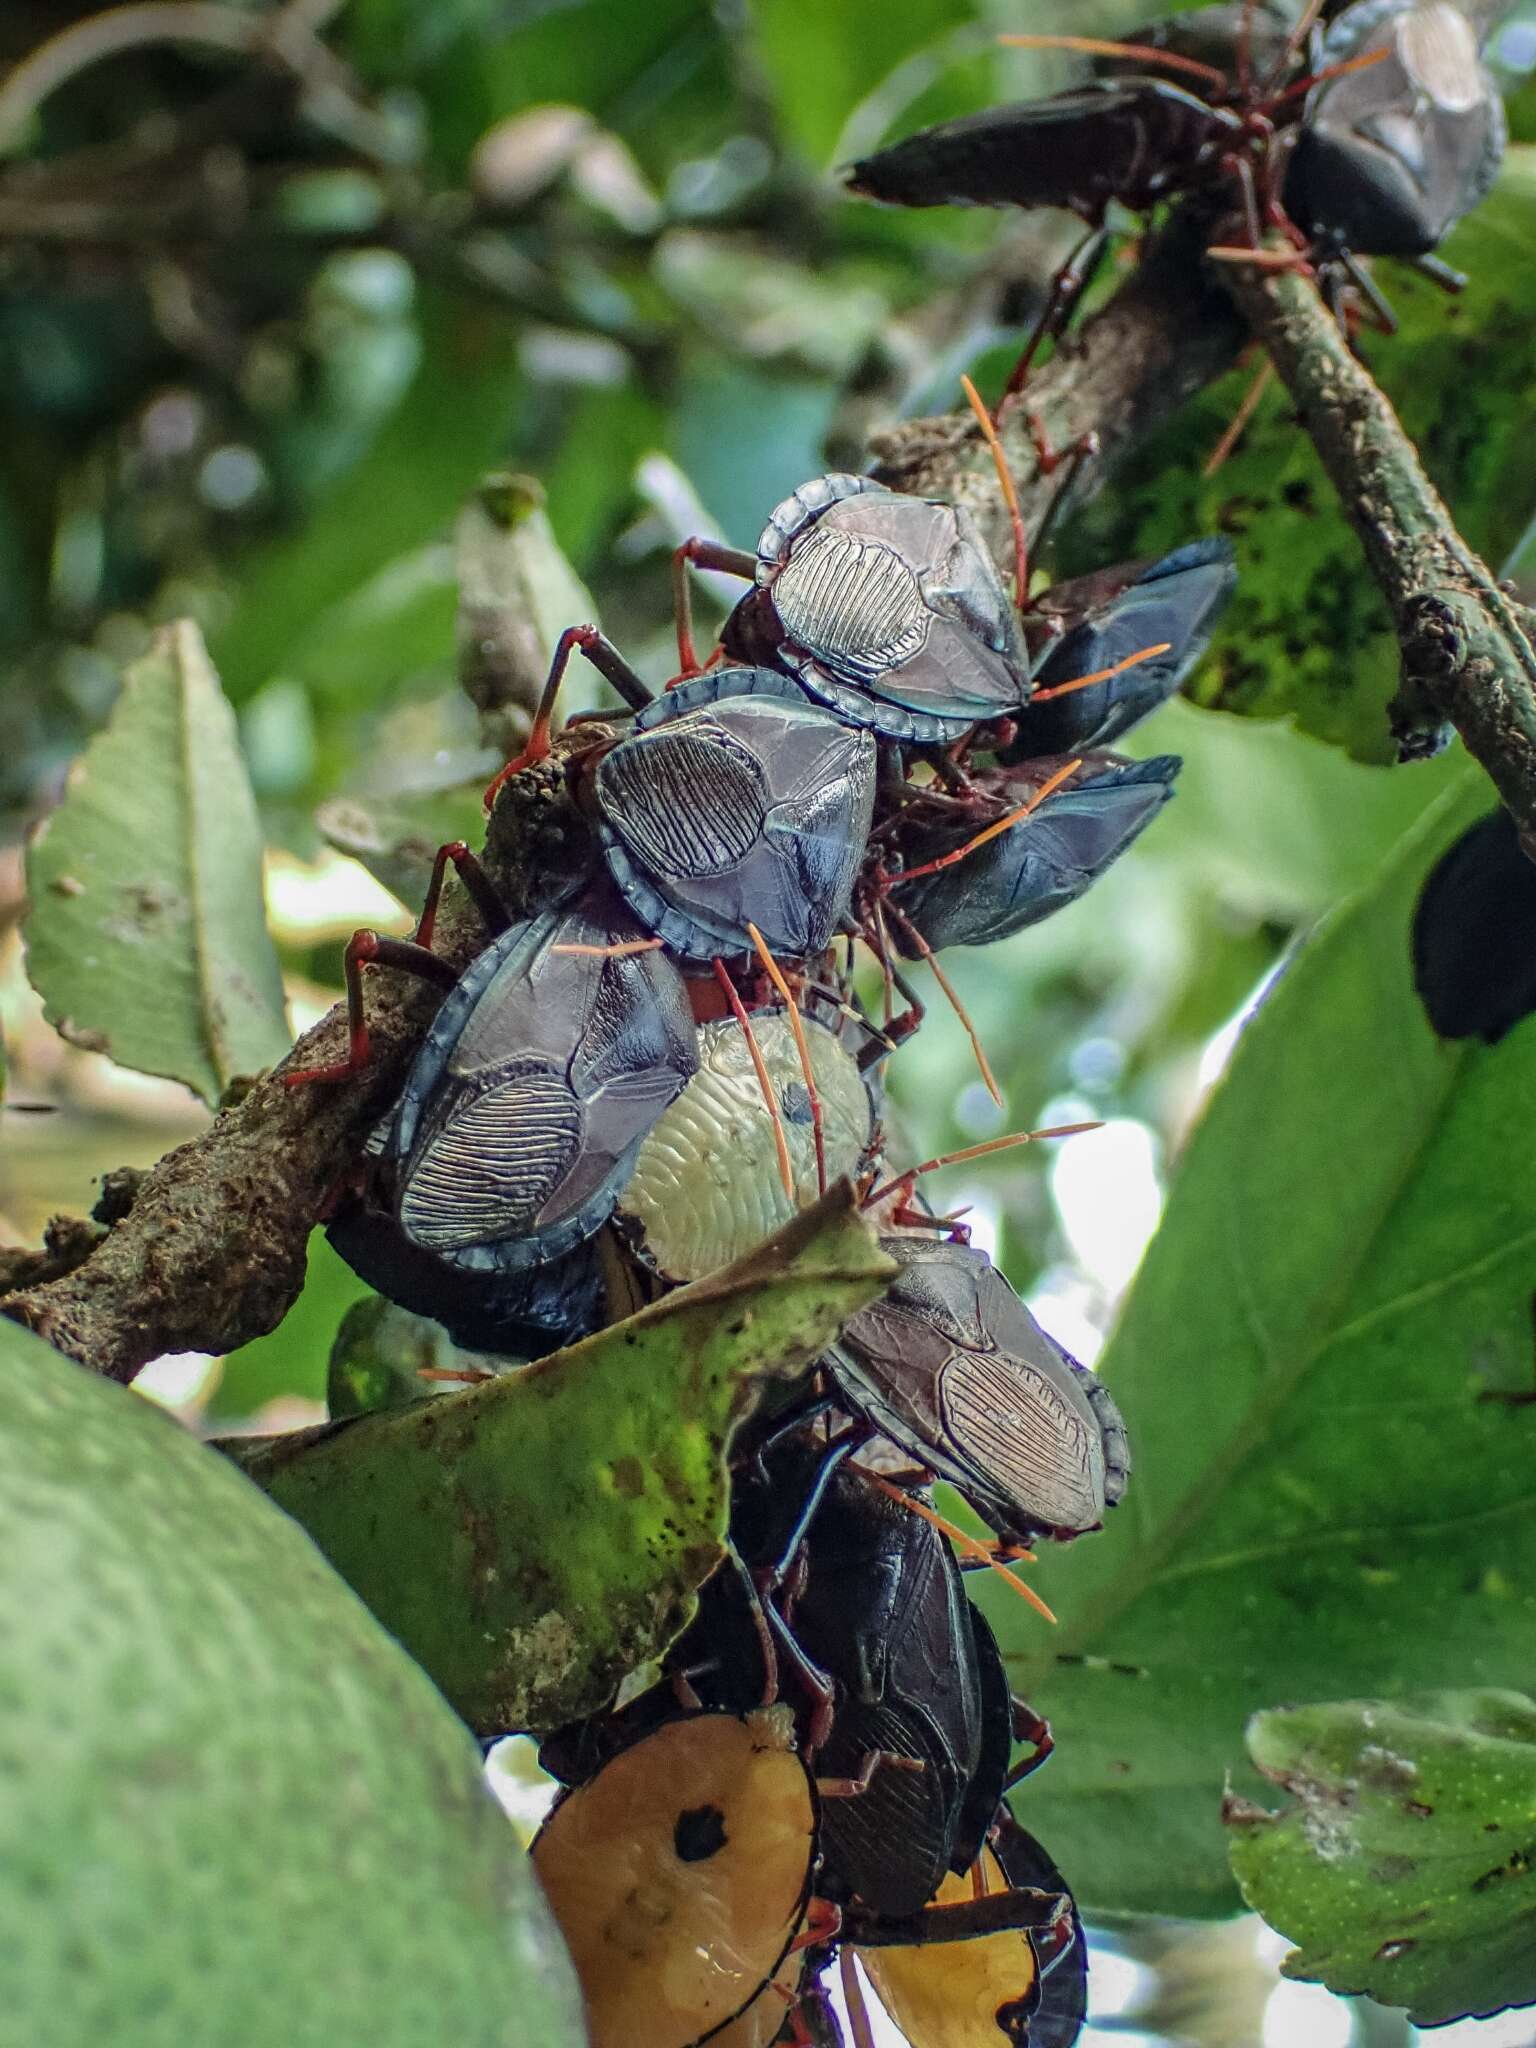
<point>734,803</point>
<point>1024,1986</point>
<point>1391,154</point>
<point>710,1179</point>
<point>952,1367</point>
<point>549,1060</point>
<point>1474,934</point>
<point>680,1875</point>
<point>1101,618</point>
<point>885,607</point>
<point>520,1315</point>
<point>955,891</point>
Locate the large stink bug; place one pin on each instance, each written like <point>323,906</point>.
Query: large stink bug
<point>951,1366</point>
<point>885,607</point>
<point>734,803</point>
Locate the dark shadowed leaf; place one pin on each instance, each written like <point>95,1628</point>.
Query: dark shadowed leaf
<point>147,936</point>
<point>1402,1865</point>
<point>1323,1366</point>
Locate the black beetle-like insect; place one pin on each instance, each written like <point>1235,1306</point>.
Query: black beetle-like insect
<point>731,802</point>
<point>886,607</point>
<point>952,1366</point>
<point>550,1059</point>
<point>1039,865</point>
<point>1105,616</point>
<point>1379,158</point>
<point>1474,934</point>
<point>522,1315</point>
<point>1391,156</point>
<point>1026,1987</point>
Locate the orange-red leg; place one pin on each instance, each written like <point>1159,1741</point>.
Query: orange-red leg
<point>366,948</point>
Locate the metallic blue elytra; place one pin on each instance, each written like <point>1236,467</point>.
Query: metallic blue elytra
<point>1113,613</point>
<point>734,800</point>
<point>540,1077</point>
<point>1039,865</point>
<point>886,607</point>
<point>1391,156</point>
<point>953,1368</point>
<point>521,1315</point>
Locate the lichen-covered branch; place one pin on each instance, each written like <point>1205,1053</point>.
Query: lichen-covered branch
<point>212,1251</point>
<point>1164,335</point>
<point>1468,654</point>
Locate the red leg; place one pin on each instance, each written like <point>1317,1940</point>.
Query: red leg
<point>362,948</point>
<point>703,554</point>
<point>1030,1727</point>
<point>479,884</point>
<point>607,660</point>
<point>1067,287</point>
<point>853,1788</point>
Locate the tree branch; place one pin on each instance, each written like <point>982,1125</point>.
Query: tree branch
<point>212,1251</point>
<point>1467,650</point>
<point>1166,333</point>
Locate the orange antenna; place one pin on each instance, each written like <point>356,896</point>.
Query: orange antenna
<point>998,825</point>
<point>959,1536</point>
<point>1305,85</point>
<point>1148,53</point>
<point>771,968</point>
<point>620,951</point>
<point>978,1152</point>
<point>1102,675</point>
<point>780,1143</point>
<point>1010,495</point>
<point>1238,423</point>
<point>951,996</point>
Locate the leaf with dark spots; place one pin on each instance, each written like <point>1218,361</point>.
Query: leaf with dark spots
<point>1401,1898</point>
<point>533,1539</point>
<point>147,936</point>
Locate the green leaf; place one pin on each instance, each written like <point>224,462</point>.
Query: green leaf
<point>290,1360</point>
<point>380,1353</point>
<point>1403,1867</point>
<point>534,1539</point>
<point>234,1810</point>
<point>1332,1489</point>
<point>147,936</point>
<point>1307,635</point>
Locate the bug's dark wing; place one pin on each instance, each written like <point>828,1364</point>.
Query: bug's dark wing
<point>1061,2002</point>
<point>1107,139</point>
<point>890,1843</point>
<point>819,834</point>
<point>1474,934</point>
<point>994,1749</point>
<point>1039,865</point>
<point>1177,600</point>
<point>1392,156</point>
<point>521,1315</point>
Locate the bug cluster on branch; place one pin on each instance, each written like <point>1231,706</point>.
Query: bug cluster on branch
<point>885,756</point>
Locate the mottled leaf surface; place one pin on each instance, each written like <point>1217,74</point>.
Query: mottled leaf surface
<point>1307,635</point>
<point>532,1540</point>
<point>1324,1366</point>
<point>147,936</point>
<point>1404,1862</point>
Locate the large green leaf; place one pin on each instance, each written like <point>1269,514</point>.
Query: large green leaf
<point>1307,635</point>
<point>234,1810</point>
<point>1404,1865</point>
<point>1329,1497</point>
<point>532,1540</point>
<point>147,936</point>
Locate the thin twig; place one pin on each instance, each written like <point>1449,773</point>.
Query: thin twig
<point>1468,655</point>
